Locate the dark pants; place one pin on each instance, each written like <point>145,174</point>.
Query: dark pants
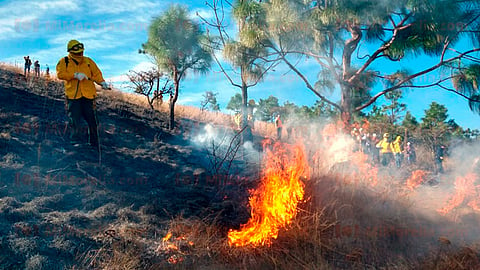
<point>386,158</point>
<point>439,166</point>
<point>279,133</point>
<point>398,159</point>
<point>78,108</point>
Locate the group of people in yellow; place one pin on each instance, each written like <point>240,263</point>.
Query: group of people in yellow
<point>390,149</point>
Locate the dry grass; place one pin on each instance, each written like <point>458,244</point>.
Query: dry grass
<point>341,225</point>
<point>263,129</point>
<point>19,69</point>
<point>117,97</point>
<point>10,67</point>
<point>338,227</point>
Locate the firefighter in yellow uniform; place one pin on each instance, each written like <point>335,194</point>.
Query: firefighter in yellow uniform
<point>385,147</point>
<point>397,151</point>
<point>79,74</point>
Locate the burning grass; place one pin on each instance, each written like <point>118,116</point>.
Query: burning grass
<point>274,203</point>
<point>324,208</point>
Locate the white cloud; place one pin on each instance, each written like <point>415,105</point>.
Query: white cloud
<point>11,26</point>
<point>190,98</point>
<point>143,66</point>
<point>60,6</point>
<point>15,22</point>
<point>118,79</point>
<point>120,6</point>
<point>204,13</point>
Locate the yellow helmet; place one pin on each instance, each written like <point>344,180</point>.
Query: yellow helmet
<point>74,46</point>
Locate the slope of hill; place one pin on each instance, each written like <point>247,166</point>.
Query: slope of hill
<point>59,202</point>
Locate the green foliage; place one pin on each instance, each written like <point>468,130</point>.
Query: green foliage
<point>323,109</point>
<point>235,103</point>
<point>251,16</point>
<point>380,122</point>
<point>175,42</point>
<point>244,57</point>
<point>267,108</point>
<point>395,109</point>
<point>434,127</point>
<point>433,22</point>
<point>435,116</point>
<point>410,122</point>
<point>210,102</point>
<point>332,31</point>
<point>466,81</point>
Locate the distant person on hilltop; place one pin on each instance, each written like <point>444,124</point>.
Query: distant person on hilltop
<point>47,72</point>
<point>80,73</point>
<point>279,126</point>
<point>36,67</point>
<point>28,63</point>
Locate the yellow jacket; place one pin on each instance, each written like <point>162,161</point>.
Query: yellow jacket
<point>396,145</point>
<point>75,89</point>
<point>385,146</point>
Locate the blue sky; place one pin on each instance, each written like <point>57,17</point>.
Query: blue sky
<point>113,31</point>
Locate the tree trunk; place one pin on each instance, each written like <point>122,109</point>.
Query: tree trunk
<point>247,130</point>
<point>150,102</point>
<point>350,46</point>
<point>346,105</point>
<point>173,99</point>
<point>157,94</point>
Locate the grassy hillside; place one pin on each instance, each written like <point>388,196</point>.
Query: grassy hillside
<point>159,199</point>
<point>58,201</point>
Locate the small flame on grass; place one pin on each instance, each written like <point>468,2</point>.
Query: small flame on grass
<point>417,177</point>
<point>167,237</point>
<point>365,170</point>
<point>464,188</point>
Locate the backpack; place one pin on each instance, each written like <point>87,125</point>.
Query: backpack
<point>67,60</point>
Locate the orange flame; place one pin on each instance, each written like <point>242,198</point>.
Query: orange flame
<point>274,203</point>
<point>464,188</point>
<point>167,237</point>
<point>365,170</point>
<point>416,179</point>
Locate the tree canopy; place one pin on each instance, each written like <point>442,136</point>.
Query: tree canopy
<point>174,42</point>
<point>352,39</point>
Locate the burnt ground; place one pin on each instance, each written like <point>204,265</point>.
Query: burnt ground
<point>58,202</point>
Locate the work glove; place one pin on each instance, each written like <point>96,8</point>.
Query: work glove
<point>105,86</point>
<point>80,76</point>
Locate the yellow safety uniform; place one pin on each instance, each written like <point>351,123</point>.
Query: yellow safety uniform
<point>75,89</point>
<point>396,145</point>
<point>385,146</point>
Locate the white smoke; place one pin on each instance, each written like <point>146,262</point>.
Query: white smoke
<point>224,144</point>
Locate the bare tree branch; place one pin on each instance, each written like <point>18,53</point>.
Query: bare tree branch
<point>409,78</point>
<point>384,47</point>
<point>307,83</point>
